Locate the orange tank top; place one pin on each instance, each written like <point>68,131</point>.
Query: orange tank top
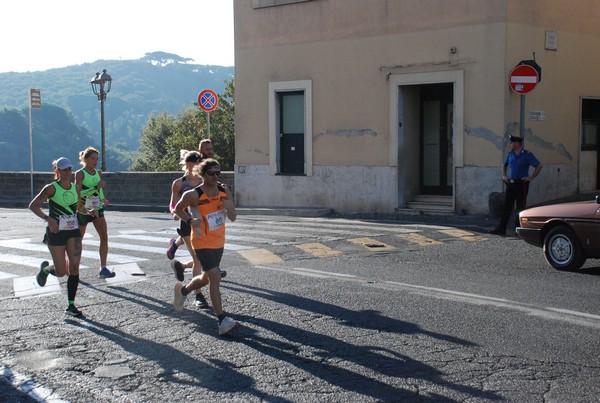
<point>210,210</point>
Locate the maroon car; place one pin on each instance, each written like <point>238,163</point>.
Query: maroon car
<point>569,233</point>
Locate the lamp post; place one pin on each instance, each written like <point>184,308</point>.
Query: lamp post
<point>101,86</point>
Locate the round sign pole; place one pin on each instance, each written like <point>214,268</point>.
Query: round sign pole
<point>208,124</point>
<point>208,100</point>
<point>522,118</point>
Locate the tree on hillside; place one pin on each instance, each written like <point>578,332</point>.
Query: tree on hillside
<point>164,136</point>
<point>153,143</point>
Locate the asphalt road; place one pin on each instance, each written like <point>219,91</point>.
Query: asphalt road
<point>332,310</point>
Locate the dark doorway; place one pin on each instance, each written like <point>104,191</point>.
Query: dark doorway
<point>590,124</point>
<point>436,160</point>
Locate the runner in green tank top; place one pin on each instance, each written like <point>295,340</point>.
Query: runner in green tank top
<point>91,204</point>
<point>62,234</point>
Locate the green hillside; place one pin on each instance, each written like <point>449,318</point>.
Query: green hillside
<point>159,82</point>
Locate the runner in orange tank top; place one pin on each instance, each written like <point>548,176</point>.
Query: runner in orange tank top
<point>211,204</point>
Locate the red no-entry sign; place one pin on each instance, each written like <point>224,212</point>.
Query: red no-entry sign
<point>523,79</point>
<point>208,100</point>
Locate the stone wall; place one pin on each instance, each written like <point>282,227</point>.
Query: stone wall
<point>147,191</point>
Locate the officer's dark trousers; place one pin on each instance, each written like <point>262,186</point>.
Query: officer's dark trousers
<point>515,192</point>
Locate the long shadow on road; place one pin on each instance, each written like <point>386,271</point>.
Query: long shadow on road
<point>208,373</point>
<point>366,370</point>
<point>330,352</point>
<point>173,361</point>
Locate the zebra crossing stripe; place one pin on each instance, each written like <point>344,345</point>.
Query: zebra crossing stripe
<point>24,244</point>
<point>126,273</point>
<point>130,246</point>
<point>24,287</point>
<point>319,250</point>
<point>4,275</point>
<point>28,261</point>
<point>260,256</point>
<point>161,250</point>
<point>419,239</point>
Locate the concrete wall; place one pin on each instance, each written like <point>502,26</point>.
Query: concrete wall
<point>124,190</point>
<point>350,51</point>
<point>347,189</point>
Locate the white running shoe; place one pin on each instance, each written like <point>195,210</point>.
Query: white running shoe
<point>179,298</point>
<point>227,325</point>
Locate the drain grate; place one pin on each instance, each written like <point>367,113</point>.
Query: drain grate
<point>374,245</point>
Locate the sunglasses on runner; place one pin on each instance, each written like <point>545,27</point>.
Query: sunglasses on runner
<point>213,173</point>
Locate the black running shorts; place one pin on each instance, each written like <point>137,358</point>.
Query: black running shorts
<point>184,229</point>
<point>209,258</point>
<point>61,237</point>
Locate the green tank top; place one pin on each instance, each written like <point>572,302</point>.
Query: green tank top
<point>89,188</point>
<point>64,201</point>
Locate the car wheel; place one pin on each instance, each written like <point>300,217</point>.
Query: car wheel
<point>562,250</point>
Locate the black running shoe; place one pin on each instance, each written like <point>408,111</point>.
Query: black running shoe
<point>200,302</point>
<point>177,269</point>
<point>42,276</point>
<point>73,311</point>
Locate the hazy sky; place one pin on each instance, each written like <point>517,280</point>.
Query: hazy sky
<point>44,34</point>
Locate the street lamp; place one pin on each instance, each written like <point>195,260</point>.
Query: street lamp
<point>101,86</point>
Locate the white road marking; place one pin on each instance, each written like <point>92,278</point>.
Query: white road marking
<point>28,386</point>
<point>310,272</point>
<point>564,315</point>
<point>25,287</point>
<point>28,261</point>
<point>550,313</point>
<point>4,275</point>
<point>23,244</point>
<point>155,249</point>
<point>126,273</point>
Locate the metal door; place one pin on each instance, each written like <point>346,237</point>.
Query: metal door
<point>291,129</point>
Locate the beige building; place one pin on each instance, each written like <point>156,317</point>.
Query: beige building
<point>381,105</point>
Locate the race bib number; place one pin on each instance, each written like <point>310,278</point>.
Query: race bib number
<point>216,220</point>
<point>92,202</point>
<point>67,222</point>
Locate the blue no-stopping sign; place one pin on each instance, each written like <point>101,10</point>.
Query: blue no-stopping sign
<point>208,100</point>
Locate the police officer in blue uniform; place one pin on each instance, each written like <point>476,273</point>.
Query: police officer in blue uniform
<point>515,174</point>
